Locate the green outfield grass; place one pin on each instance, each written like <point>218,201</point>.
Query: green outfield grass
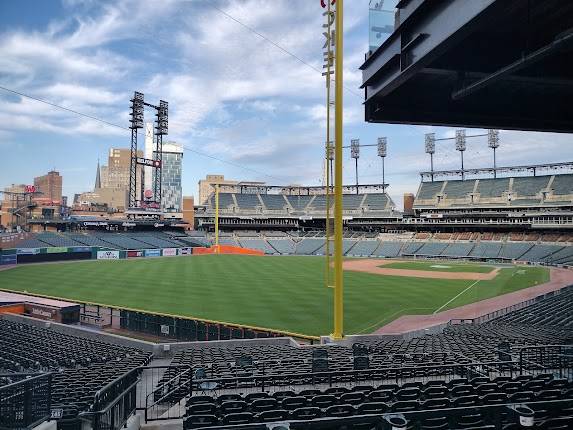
<point>444,266</point>
<point>282,293</point>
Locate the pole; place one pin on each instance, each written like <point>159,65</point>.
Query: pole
<point>216,218</point>
<point>494,165</point>
<point>338,278</point>
<point>462,152</point>
<point>432,166</point>
<point>383,180</point>
<point>356,169</point>
<point>327,162</point>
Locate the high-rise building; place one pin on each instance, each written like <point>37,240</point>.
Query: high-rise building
<point>50,186</point>
<point>147,170</point>
<point>171,191</point>
<point>189,212</point>
<point>116,173</point>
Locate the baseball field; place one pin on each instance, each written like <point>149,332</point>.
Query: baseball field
<point>281,293</point>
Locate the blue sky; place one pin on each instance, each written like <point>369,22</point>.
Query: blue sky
<point>231,94</point>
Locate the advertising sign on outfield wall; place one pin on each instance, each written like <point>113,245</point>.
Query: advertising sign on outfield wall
<point>80,249</point>
<point>108,255</point>
<point>28,251</point>
<point>133,254</point>
<point>153,252</point>
<point>56,249</point>
<point>185,251</point>
<point>169,252</point>
<point>8,259</point>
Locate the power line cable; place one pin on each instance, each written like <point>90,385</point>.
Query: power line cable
<point>111,124</point>
<point>276,45</point>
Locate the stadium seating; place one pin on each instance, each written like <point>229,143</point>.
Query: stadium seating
<point>258,244</point>
<point>80,366</point>
<point>377,202</point>
<point>364,248</point>
<point>540,252</point>
<point>337,402</point>
<point>530,186</point>
<point>282,246</point>
<point>273,201</point>
<point>432,249</point>
<point>308,246</point>
<point>299,203</point>
<point>512,251</point>
<point>388,249</point>
<point>247,201</point>
<point>458,189</point>
<point>489,188</point>
<point>429,190</point>
<point>486,250</point>
<point>562,185</point>
<point>458,250</point>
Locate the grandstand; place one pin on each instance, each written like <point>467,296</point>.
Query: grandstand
<point>458,377</point>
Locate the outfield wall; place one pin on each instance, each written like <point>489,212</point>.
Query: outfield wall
<point>42,255</point>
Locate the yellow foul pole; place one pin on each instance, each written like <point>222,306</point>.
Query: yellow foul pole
<point>326,164</point>
<point>338,287</point>
<point>217,218</point>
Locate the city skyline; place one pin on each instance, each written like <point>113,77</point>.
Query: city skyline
<point>265,113</point>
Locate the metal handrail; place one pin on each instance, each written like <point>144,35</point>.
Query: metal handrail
<point>360,372</point>
<point>189,369</point>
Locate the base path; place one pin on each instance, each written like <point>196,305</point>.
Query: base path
<point>372,266</point>
<point>559,278</point>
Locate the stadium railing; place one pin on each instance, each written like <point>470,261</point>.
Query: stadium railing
<point>500,312</point>
<point>556,358</point>
<point>394,374</point>
<point>115,403</point>
<point>25,402</point>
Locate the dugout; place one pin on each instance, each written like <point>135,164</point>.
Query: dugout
<point>37,307</point>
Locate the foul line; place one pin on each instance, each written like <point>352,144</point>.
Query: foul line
<point>454,298</point>
<point>377,324</point>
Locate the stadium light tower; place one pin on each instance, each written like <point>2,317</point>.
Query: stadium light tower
<point>382,152</point>
<point>355,153</point>
<point>430,143</point>
<point>493,143</point>
<point>136,122</point>
<point>461,146</point>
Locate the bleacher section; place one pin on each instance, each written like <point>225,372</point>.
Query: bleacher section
<point>489,188</point>
<point>486,250</point>
<point>458,250</point>
<point>80,366</point>
<point>364,248</point>
<point>458,189</point>
<point>308,246</point>
<point>258,244</point>
<point>459,368</point>
<point>247,201</point>
<point>513,251</point>
<point>530,186</point>
<point>377,202</point>
<point>562,185</point>
<point>388,249</point>
<point>465,199</point>
<point>273,201</point>
<point>282,246</point>
<point>299,203</point>
<point>429,190</point>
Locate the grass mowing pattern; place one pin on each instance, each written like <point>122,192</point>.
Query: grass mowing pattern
<point>281,293</point>
<point>428,265</point>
